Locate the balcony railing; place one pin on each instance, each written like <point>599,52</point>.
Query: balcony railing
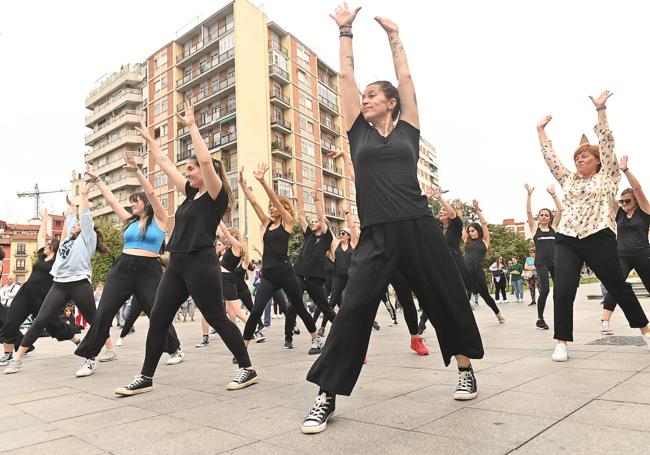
<point>225,139</point>
<point>281,148</point>
<point>100,107</point>
<point>204,42</point>
<point>333,190</point>
<point>208,119</point>
<point>183,155</point>
<point>332,168</point>
<point>278,47</point>
<point>330,126</point>
<point>112,120</point>
<point>275,70</point>
<point>334,213</point>
<point>281,123</point>
<point>327,83</point>
<point>280,191</point>
<point>282,175</point>
<point>327,103</point>
<point>329,146</point>
<point>125,132</point>
<point>204,68</point>
<point>128,68</point>
<point>277,94</point>
<point>214,88</point>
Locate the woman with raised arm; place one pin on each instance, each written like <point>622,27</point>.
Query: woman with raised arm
<point>398,232</point>
<point>277,272</point>
<point>632,223</point>
<point>477,242</point>
<point>30,297</point>
<point>586,233</point>
<point>137,271</point>
<point>543,229</point>
<point>193,268</point>
<point>71,272</point>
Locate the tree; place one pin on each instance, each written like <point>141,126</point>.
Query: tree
<point>295,242</point>
<point>112,238</point>
<point>508,244</point>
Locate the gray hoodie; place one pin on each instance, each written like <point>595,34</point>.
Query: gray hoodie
<point>75,254</point>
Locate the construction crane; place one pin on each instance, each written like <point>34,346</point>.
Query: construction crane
<point>36,194</point>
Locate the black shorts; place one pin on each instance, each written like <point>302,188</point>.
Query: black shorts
<point>229,286</point>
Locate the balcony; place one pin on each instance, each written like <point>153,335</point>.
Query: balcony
<point>327,83</point>
<point>204,69</point>
<point>327,147</point>
<point>278,47</point>
<point>128,136</point>
<point>279,99</point>
<point>114,164</point>
<point>278,74</point>
<point>183,155</point>
<point>330,127</point>
<point>333,191</point>
<point>334,213</point>
<point>127,116</point>
<point>281,125</point>
<point>207,120</point>
<point>282,175</point>
<point>330,168</point>
<point>328,105</point>
<point>225,141</point>
<point>282,150</point>
<point>129,95</point>
<point>192,53</point>
<point>115,183</point>
<point>132,74</point>
<point>20,252</point>
<point>282,191</point>
<point>213,90</point>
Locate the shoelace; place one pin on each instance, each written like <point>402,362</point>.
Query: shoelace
<point>242,373</point>
<point>88,363</point>
<point>136,382</point>
<point>465,381</point>
<point>319,409</point>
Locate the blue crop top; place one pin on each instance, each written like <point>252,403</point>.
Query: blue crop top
<point>152,241</point>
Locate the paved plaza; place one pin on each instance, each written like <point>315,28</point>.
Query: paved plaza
<point>598,402</point>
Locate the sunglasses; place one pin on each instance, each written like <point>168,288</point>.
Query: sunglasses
<point>625,201</point>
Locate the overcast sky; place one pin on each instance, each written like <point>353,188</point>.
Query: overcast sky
<point>485,73</point>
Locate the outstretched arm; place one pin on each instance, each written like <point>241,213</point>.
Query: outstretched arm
<point>557,168</point>
<point>303,220</point>
<point>484,223</point>
<point>558,207</point>
<point>85,216</point>
<point>640,196</point>
<point>350,105</point>
<point>159,210</point>
<point>532,225</point>
<point>354,237</point>
<point>120,211</point>
<point>437,195</point>
<point>320,213</point>
<point>234,243</point>
<point>41,238</point>
<point>162,159</point>
<point>259,211</point>
<point>275,200</point>
<point>608,163</point>
<point>405,86</point>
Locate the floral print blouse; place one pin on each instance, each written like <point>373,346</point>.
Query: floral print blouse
<point>589,204</point>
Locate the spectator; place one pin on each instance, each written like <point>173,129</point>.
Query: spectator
<point>516,271</point>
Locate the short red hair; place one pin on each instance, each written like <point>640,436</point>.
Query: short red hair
<point>593,150</point>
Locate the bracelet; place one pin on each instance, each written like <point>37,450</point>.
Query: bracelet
<point>624,170</point>
<point>347,213</point>
<point>346,28</point>
<point>346,35</point>
<point>601,108</point>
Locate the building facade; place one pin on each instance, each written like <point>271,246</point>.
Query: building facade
<point>428,166</point>
<point>518,227</point>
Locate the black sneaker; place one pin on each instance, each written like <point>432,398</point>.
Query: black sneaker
<point>140,384</point>
<point>320,412</point>
<point>375,325</point>
<point>466,388</point>
<point>421,329</point>
<point>296,331</point>
<point>321,332</point>
<point>259,337</point>
<point>234,360</point>
<point>541,325</point>
<point>6,358</point>
<point>288,344</point>
<point>205,340</point>
<point>243,378</point>
<point>532,304</point>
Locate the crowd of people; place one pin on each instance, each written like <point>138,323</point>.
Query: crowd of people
<point>346,274</point>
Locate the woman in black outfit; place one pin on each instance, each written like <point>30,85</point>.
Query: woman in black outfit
<point>277,272</point>
<point>499,271</point>
<point>397,232</point>
<point>544,238</point>
<point>193,265</point>
<point>477,242</point>
<point>632,223</point>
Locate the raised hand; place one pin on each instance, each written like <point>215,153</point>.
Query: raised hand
<point>436,193</point>
<point>85,189</point>
<point>144,131</point>
<point>129,162</point>
<point>67,200</point>
<point>187,119</point>
<point>345,207</point>
<point>388,25</point>
<point>542,124</point>
<point>428,193</point>
<point>602,99</point>
<point>475,205</point>
<point>622,163</point>
<point>260,172</point>
<point>458,204</point>
<point>551,190</point>
<point>90,173</point>
<point>530,189</point>
<point>335,154</point>
<point>242,180</point>
<point>314,192</point>
<point>343,16</point>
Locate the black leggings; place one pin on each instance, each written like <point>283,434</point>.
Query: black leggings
<point>543,273</point>
<point>339,282</point>
<point>80,292</point>
<point>195,274</point>
<point>274,278</point>
<point>642,266</point>
<point>405,298</point>
<point>500,287</point>
<point>315,288</point>
<point>477,276</point>
<point>244,294</point>
<point>27,302</point>
<point>134,314</point>
<point>598,251</point>
<point>418,249</point>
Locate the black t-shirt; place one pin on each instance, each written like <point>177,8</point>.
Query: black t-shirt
<point>454,234</point>
<point>196,221</point>
<point>310,259</point>
<point>544,246</point>
<point>40,275</point>
<point>342,260</point>
<point>386,173</point>
<point>632,233</point>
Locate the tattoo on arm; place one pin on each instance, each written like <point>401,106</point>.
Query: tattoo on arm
<point>350,60</point>
<point>415,99</point>
<point>396,46</point>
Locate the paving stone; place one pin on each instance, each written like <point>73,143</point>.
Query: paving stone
<point>532,404</point>
<point>104,419</point>
<point>63,407</point>
<point>630,416</point>
<point>68,446</point>
<point>40,395</point>
<point>30,435</point>
<point>199,440</point>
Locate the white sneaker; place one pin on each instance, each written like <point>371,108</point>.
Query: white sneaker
<point>497,301</point>
<point>107,356</point>
<point>119,342</point>
<point>176,357</point>
<point>14,366</point>
<point>505,301</point>
<point>606,328</point>
<point>646,338</point>
<point>87,368</point>
<point>501,318</point>
<point>560,354</point>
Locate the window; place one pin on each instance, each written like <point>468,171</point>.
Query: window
<point>308,201</point>
<point>20,264</point>
<point>304,80</point>
<point>302,54</point>
<point>164,200</point>
<point>156,133</point>
<point>163,129</point>
<point>309,174</point>
<point>160,107</point>
<point>276,115</point>
<point>328,95</point>
<point>21,248</point>
<point>306,127</point>
<point>160,60</point>
<point>226,43</point>
<point>305,103</point>
<point>308,150</point>
<point>280,60</point>
<point>160,84</point>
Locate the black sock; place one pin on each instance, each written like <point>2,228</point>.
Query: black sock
<point>469,368</point>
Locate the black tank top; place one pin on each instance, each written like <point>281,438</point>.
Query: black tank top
<point>454,234</point>
<point>40,276</point>
<point>475,252</point>
<point>545,246</point>
<point>342,260</point>
<point>276,246</point>
<point>229,261</point>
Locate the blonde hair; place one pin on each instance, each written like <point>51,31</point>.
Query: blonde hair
<point>286,203</point>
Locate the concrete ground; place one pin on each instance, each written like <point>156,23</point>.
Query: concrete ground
<point>598,402</point>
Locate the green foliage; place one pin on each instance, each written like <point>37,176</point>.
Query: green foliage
<point>112,238</point>
<point>295,242</point>
<point>506,243</point>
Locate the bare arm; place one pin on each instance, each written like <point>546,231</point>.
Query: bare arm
<point>320,213</point>
<point>120,211</point>
<point>354,237</point>
<point>69,218</point>
<point>259,211</point>
<point>350,104</point>
<point>163,160</point>
<point>159,211</point>
<point>640,196</point>
<point>85,216</point>
<point>437,195</point>
<point>303,220</point>
<point>405,86</point>
<point>557,168</point>
<point>484,223</point>
<point>532,224</point>
<point>287,218</point>
<point>558,207</point>
<point>41,238</point>
<point>234,243</point>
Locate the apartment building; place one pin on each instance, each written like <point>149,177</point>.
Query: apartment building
<point>427,165</point>
<point>116,105</point>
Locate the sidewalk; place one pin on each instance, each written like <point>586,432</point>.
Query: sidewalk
<point>598,402</point>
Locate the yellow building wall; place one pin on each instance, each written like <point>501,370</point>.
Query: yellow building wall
<point>31,246</point>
